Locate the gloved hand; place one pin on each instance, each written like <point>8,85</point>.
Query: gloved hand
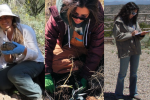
<point>19,49</point>
<point>49,85</point>
<point>84,83</point>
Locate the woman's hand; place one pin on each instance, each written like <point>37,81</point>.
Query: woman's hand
<point>49,84</point>
<point>84,83</point>
<point>134,32</point>
<point>144,32</point>
<point>19,49</point>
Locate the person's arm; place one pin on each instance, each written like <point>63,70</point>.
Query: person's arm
<point>118,34</point>
<point>51,35</point>
<point>8,58</point>
<point>25,51</point>
<point>30,42</point>
<point>96,48</point>
<point>95,51</point>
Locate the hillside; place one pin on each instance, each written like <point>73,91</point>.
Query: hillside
<point>117,2</point>
<point>114,9</point>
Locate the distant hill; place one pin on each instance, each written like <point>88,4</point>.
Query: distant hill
<point>114,9</point>
<point>138,2</point>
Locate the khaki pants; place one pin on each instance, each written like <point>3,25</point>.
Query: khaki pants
<point>62,62</point>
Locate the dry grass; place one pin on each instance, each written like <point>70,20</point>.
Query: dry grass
<point>96,83</point>
<point>94,91</point>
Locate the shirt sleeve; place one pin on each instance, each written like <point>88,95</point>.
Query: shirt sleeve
<point>118,34</point>
<point>30,43</point>
<point>51,35</point>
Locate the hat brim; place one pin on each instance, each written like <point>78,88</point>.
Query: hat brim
<point>9,14</point>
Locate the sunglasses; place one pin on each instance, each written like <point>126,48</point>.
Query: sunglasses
<point>133,13</point>
<point>78,17</point>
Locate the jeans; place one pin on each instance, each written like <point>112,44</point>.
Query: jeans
<point>20,75</point>
<point>124,62</point>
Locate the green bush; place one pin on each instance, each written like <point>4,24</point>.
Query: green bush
<point>108,27</point>
<point>107,33</point>
<point>144,25</point>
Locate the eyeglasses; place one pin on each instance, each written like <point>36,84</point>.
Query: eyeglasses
<point>133,13</point>
<point>81,18</point>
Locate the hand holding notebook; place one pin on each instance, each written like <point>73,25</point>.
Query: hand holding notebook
<point>143,32</point>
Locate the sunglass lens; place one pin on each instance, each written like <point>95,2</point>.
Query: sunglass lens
<point>81,18</point>
<point>133,13</point>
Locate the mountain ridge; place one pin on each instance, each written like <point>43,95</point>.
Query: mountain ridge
<point>114,9</point>
<point>138,2</point>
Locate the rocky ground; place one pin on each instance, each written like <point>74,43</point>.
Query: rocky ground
<point>111,69</point>
<point>5,96</point>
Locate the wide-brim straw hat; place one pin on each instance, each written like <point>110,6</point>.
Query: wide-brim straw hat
<point>6,11</point>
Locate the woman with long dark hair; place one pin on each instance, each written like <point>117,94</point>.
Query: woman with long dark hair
<point>75,28</point>
<point>126,32</point>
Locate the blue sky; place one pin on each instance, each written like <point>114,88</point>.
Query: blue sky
<point>127,0</point>
<point>118,0</point>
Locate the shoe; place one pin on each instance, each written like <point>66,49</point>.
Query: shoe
<point>137,97</point>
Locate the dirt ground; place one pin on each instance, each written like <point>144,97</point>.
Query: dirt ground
<point>5,96</point>
<point>111,69</point>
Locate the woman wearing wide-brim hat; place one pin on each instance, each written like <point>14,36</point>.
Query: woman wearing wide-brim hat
<point>20,65</point>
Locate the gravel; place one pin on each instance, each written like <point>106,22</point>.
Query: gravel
<point>111,69</point>
<point>5,96</point>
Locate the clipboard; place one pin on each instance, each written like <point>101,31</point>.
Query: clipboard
<point>141,32</point>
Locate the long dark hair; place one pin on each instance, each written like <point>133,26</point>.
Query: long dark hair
<point>91,5</point>
<point>126,11</point>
